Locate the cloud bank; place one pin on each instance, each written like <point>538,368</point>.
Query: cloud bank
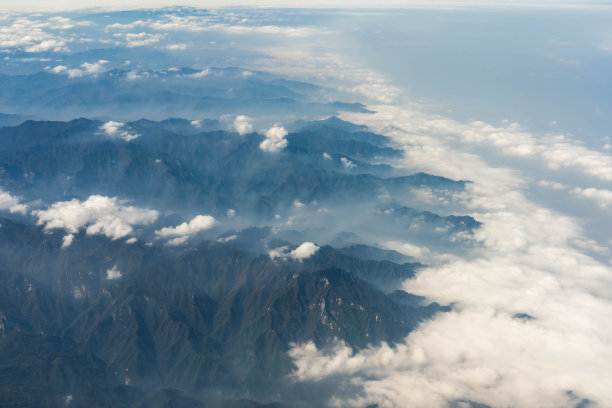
<point>530,305</point>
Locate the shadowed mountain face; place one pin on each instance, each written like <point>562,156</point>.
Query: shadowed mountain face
<point>185,318</point>
<point>98,308</point>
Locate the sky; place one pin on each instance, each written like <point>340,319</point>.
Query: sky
<point>518,102</point>
<point>65,5</point>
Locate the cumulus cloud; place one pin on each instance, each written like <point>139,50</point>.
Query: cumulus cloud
<point>86,68</point>
<point>139,39</point>
<point>304,251</point>
<point>602,197</point>
<point>99,215</point>
<point>113,273</point>
<point>31,36</point>
<point>181,233</point>
<point>115,130</point>
<point>275,139</point>
<point>243,125</point>
<point>12,203</point>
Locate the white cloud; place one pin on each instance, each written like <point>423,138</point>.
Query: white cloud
<point>114,130</point>
<point>602,197</point>
<point>326,156</point>
<point>406,248</point>
<point>12,203</point>
<point>227,239</point>
<point>275,139</point>
<point>551,184</point>
<point>527,259</point>
<point>140,39</point>
<point>30,36</point>
<point>208,23</point>
<point>347,163</point>
<point>196,123</point>
<point>67,240</point>
<point>230,213</point>
<point>304,251</point>
<point>243,125</point>
<point>86,68</point>
<point>113,273</point>
<point>200,74</point>
<point>102,215</point>
<point>65,23</point>
<point>177,46</point>
<point>181,233</point>
<point>126,27</point>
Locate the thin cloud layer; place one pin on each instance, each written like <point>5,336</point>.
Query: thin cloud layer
<point>304,251</point>
<point>98,215</point>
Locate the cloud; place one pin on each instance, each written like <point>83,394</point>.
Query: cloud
<point>275,139</point>
<point>30,36</point>
<point>113,273</point>
<point>200,74</point>
<point>172,22</point>
<point>65,23</point>
<point>347,163</point>
<point>602,197</point>
<point>67,240</point>
<point>181,233</point>
<point>243,125</point>
<point>99,215</point>
<point>526,260</point>
<point>87,68</point>
<point>114,130</point>
<point>304,251</point>
<point>125,27</point>
<point>551,184</point>
<point>12,203</point>
<point>139,39</point>
<point>177,46</point>
<point>406,249</point>
<point>227,239</point>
